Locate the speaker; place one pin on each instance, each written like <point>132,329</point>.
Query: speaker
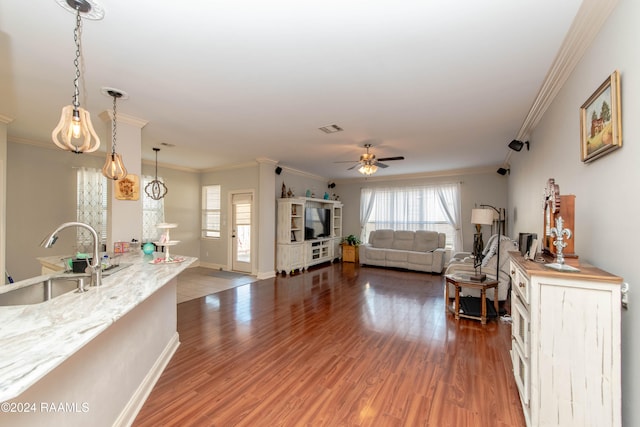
<point>278,170</point>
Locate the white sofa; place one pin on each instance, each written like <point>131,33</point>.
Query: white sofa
<point>462,263</point>
<point>414,250</point>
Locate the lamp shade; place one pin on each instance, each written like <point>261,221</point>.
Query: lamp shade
<point>482,216</point>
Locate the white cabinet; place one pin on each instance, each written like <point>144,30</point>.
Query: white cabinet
<point>293,250</point>
<point>566,344</point>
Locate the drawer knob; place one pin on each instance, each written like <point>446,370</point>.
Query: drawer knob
<point>513,272</point>
<point>521,284</point>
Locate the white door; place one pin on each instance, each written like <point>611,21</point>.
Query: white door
<point>242,205</point>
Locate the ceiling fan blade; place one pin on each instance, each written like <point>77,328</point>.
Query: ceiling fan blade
<point>346,161</point>
<point>357,164</point>
<point>386,159</point>
<point>381,165</point>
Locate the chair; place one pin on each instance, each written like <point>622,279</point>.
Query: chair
<point>462,263</point>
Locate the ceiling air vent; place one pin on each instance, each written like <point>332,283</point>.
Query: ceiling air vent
<point>331,129</point>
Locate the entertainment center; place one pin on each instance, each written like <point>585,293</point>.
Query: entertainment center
<point>309,232</point>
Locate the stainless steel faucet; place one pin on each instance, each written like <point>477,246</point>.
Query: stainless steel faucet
<point>94,267</point>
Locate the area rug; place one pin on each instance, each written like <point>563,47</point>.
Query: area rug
<point>199,282</point>
<point>222,274</point>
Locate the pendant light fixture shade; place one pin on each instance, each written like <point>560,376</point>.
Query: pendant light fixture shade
<point>114,167</point>
<point>368,169</point>
<point>156,188</point>
<point>74,131</point>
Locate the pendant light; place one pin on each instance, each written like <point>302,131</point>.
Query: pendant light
<point>156,189</point>
<point>113,167</point>
<point>75,132</point>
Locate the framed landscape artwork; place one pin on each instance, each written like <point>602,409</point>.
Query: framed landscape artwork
<point>600,124</point>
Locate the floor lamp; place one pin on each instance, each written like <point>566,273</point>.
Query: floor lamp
<point>479,217</point>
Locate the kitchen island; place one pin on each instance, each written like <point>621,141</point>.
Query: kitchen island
<point>90,358</point>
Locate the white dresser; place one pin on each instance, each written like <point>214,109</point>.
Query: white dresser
<point>566,344</point>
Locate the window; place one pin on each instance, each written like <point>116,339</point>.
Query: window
<point>152,213</point>
<point>435,208</point>
<point>91,206</point>
<point>211,211</point>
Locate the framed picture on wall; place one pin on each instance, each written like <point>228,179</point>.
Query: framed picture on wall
<point>127,188</point>
<point>600,120</point>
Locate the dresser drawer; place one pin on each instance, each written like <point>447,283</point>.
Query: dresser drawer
<point>521,284</point>
<point>521,374</point>
<point>521,327</point>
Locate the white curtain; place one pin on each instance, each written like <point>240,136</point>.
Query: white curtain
<point>450,201</point>
<point>91,206</point>
<point>367,199</point>
<point>435,208</point>
<point>152,213</point>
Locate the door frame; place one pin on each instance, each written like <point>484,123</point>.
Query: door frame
<point>230,195</point>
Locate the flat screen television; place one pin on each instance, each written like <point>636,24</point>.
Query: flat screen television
<point>317,223</point>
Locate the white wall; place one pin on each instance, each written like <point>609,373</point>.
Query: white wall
<point>479,187</point>
<point>607,203</point>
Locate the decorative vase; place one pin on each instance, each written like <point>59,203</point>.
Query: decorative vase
<point>148,248</point>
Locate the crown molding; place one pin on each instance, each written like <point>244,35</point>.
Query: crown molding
<point>584,29</point>
<point>123,118</point>
<point>5,119</point>
<point>421,175</point>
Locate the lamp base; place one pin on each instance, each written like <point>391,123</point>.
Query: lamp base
<point>478,277</point>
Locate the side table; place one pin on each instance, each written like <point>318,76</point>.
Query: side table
<point>460,282</point>
<point>350,253</point>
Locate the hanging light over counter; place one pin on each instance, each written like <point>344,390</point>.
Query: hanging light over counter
<point>114,167</point>
<point>75,132</point>
<point>156,188</point>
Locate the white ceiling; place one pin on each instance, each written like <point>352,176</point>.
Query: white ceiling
<point>447,84</point>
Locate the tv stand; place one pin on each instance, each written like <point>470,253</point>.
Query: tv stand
<point>293,252</point>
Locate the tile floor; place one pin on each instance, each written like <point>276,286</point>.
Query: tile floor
<point>197,282</point>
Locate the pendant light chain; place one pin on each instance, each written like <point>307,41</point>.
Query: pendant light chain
<point>114,122</point>
<point>76,61</point>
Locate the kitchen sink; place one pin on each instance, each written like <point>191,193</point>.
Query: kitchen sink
<point>44,288</point>
<point>41,291</point>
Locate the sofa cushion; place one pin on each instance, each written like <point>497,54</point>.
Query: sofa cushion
<point>403,240</point>
<point>376,254</point>
<point>396,256</point>
<point>425,241</point>
<point>381,239</point>
<point>420,258</point>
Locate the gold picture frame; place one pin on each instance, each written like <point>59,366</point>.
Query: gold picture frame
<point>600,120</point>
<point>127,188</point>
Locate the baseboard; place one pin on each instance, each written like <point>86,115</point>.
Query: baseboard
<point>213,266</point>
<point>129,413</point>
<point>266,275</point>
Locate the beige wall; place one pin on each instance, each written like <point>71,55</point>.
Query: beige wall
<point>41,194</point>
<point>607,205</point>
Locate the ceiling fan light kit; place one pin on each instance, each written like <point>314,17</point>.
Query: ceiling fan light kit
<point>369,164</point>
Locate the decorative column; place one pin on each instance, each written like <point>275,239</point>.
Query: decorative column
<point>125,209</point>
<point>267,218</point>
<point>4,122</point>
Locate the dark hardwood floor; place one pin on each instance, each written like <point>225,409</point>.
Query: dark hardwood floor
<point>339,345</point>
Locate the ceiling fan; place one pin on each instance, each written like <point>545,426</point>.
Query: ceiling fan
<point>368,162</point>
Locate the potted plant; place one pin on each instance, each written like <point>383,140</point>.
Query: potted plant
<point>351,240</point>
<point>350,251</point>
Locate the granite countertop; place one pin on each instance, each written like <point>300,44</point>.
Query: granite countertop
<point>37,338</point>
